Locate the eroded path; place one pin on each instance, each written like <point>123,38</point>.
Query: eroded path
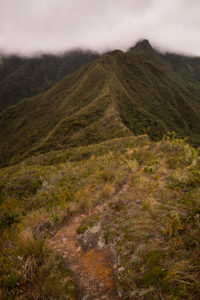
<point>89,259</point>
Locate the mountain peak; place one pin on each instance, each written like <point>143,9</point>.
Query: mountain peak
<point>143,44</point>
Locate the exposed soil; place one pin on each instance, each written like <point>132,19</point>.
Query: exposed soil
<point>87,257</point>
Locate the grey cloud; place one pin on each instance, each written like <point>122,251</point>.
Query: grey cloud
<point>29,26</point>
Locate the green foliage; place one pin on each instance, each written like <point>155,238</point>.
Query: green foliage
<point>173,138</point>
<point>81,229</point>
<point>7,219</point>
<point>155,271</point>
<point>153,275</point>
<point>148,169</point>
<point>186,69</point>
<point>189,183</point>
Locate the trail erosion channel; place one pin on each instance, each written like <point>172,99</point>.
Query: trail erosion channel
<point>92,263</point>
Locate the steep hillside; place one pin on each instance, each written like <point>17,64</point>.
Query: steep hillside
<point>25,77</point>
<point>79,110</point>
<point>117,95</point>
<point>149,97</point>
<point>187,70</point>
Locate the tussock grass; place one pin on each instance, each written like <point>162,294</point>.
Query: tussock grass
<point>157,232</point>
<point>66,186</point>
<point>155,227</point>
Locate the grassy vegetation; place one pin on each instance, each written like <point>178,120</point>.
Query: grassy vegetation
<point>37,197</point>
<point>154,225</point>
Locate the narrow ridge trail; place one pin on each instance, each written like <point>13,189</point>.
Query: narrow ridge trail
<point>91,268</point>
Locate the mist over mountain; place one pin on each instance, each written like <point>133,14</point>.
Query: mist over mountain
<point>51,26</point>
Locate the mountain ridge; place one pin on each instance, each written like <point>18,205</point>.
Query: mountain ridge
<point>138,87</point>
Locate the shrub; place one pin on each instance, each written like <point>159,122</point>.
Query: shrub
<point>7,219</point>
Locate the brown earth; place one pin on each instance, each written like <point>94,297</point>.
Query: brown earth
<point>87,257</point>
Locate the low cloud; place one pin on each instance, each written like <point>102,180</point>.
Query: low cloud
<point>30,26</point>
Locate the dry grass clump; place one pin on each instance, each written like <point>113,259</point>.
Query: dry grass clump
<point>182,272</point>
<point>33,271</point>
<point>107,190</point>
<point>40,264</point>
<point>37,221</point>
<point>83,200</point>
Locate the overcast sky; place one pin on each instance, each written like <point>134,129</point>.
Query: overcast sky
<point>29,26</point>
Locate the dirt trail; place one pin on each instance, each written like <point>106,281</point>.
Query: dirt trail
<point>91,267</point>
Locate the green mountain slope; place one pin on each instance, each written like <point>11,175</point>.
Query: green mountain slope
<point>150,100</point>
<point>119,94</point>
<point>187,70</point>
<point>26,77</point>
<point>76,111</point>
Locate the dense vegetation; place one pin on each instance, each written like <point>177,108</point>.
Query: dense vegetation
<point>119,94</point>
<point>68,145</point>
<point>25,77</point>
<point>187,70</point>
